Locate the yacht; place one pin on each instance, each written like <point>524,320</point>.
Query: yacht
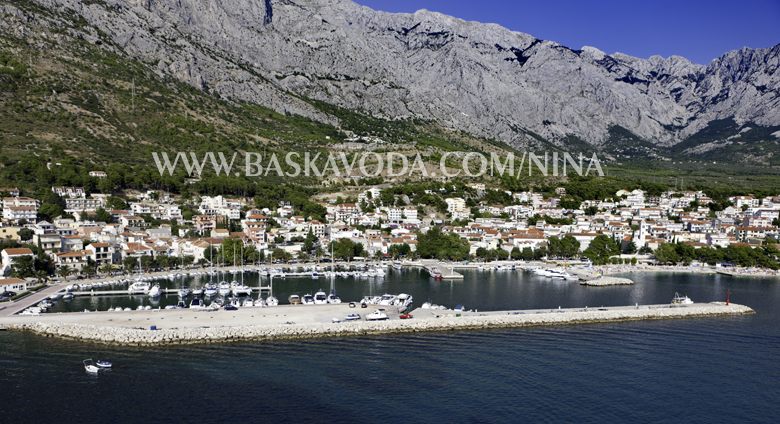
<point>294,299</point>
<point>404,302</point>
<point>333,299</point>
<point>320,298</point>
<point>378,315</point>
<point>681,300</point>
<point>197,292</point>
<point>387,300</point>
<point>224,288</point>
<point>241,290</point>
<point>210,290</point>
<point>155,291</point>
<point>139,286</point>
<point>308,299</point>
<point>272,301</point>
<point>196,303</point>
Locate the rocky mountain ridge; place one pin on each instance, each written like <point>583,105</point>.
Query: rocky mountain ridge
<point>480,78</point>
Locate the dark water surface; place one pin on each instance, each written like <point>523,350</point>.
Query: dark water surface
<point>695,370</point>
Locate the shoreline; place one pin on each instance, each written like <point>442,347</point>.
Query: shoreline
<point>308,322</point>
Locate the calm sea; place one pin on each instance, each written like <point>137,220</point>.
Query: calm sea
<point>698,370</point>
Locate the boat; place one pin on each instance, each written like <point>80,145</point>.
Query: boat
<point>397,265</point>
<point>241,290</point>
<point>333,299</point>
<point>294,299</point>
<point>224,288</point>
<point>211,290</point>
<point>103,364</point>
<point>155,291</point>
<point>352,317</point>
<point>67,296</point>
<point>315,275</point>
<point>387,300</point>
<point>404,302</point>
<point>139,287</point>
<point>90,367</point>
<point>681,300</point>
<point>197,292</point>
<point>181,305</point>
<point>320,298</point>
<point>307,299</point>
<point>272,301</point>
<point>184,292</point>
<point>378,315</point>
<point>196,303</point>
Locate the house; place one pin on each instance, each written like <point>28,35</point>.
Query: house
<point>11,255</point>
<point>75,260</point>
<point>204,223</point>
<point>9,233</point>
<point>101,253</point>
<point>16,285</point>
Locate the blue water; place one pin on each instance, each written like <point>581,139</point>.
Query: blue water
<point>695,370</point>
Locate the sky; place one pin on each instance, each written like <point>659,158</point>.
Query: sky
<point>697,29</point>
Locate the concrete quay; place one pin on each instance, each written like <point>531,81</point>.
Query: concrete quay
<point>187,326</point>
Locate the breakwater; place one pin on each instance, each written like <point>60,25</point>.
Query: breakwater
<point>154,328</point>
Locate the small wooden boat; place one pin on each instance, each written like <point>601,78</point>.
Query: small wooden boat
<point>90,367</point>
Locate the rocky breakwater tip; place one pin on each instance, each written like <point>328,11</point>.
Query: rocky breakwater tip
<point>608,281</point>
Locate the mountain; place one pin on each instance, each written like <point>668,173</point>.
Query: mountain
<point>482,79</point>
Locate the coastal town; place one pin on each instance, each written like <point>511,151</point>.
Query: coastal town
<point>156,230</point>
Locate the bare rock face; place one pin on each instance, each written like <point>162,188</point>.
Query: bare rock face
<point>480,78</point>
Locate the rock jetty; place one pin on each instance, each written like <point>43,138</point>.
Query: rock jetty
<point>184,328</point>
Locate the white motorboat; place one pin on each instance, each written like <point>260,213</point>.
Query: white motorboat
<point>210,290</point>
<point>404,302</point>
<point>294,299</point>
<point>681,300</point>
<point>397,265</point>
<point>333,299</point>
<point>103,364</point>
<point>352,317</point>
<point>196,303</point>
<point>90,367</point>
<point>139,287</point>
<point>224,288</point>
<point>67,296</point>
<point>320,298</point>
<point>272,301</point>
<point>307,299</point>
<point>197,292</point>
<point>184,292</point>
<point>241,290</point>
<point>387,300</point>
<point>155,291</point>
<point>378,315</point>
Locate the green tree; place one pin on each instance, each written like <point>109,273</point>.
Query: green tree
<point>438,245</point>
<point>667,254</point>
<point>26,234</point>
<point>601,249</point>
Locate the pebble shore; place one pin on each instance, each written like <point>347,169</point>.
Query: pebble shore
<point>100,330</point>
